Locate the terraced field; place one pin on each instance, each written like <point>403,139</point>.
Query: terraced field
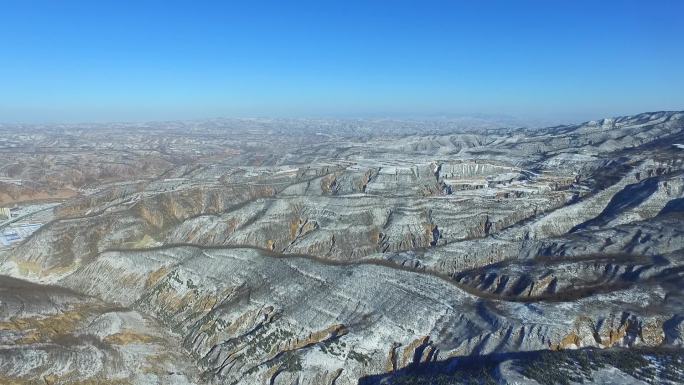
<point>266,252</point>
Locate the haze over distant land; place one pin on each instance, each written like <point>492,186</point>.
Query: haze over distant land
<point>401,122</point>
<point>80,61</point>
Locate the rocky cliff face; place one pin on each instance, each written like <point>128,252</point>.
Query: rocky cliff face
<point>347,259</point>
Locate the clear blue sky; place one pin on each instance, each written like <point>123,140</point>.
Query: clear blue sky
<point>103,60</point>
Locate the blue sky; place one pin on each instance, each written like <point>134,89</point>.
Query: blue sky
<point>150,60</point>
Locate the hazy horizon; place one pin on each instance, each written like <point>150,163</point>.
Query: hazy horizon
<point>493,121</point>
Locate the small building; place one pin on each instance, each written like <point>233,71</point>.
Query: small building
<point>4,213</point>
